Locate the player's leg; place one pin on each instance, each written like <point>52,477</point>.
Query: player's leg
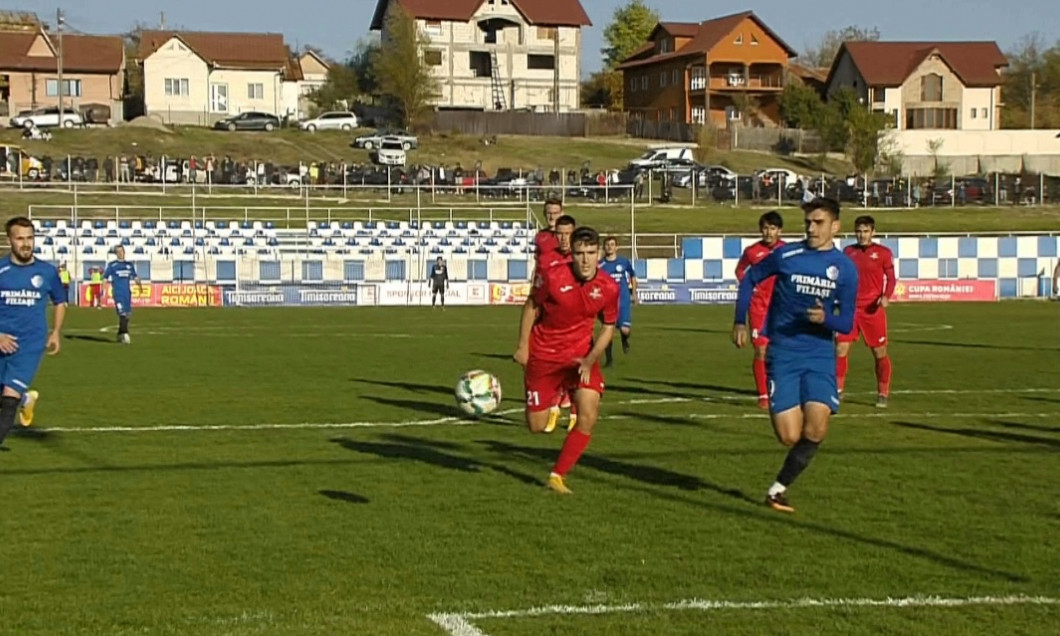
<point>441,296</point>
<point>842,351</point>
<point>875,329</point>
<point>543,382</point>
<point>28,404</point>
<point>124,310</point>
<point>16,375</point>
<point>587,400</point>
<point>758,364</point>
<point>625,323</point>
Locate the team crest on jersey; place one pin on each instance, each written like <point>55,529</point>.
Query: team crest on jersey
<point>595,293</point>
<point>36,281</point>
<point>618,268</point>
<point>874,256</point>
<point>538,280</point>
<point>832,272</point>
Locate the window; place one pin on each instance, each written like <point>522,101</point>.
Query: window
<point>754,41</point>
<point>643,82</point>
<point>477,270</point>
<point>177,87</point>
<point>183,271</point>
<point>546,33</point>
<point>664,45</point>
<point>983,113</point>
<point>219,98</point>
<point>699,115</point>
<point>255,91</point>
<point>673,113</point>
<point>269,270</point>
<point>975,111</point>
<point>395,270</point>
<point>312,270</point>
<point>879,95</point>
<point>739,39</point>
<point>226,270</point>
<point>676,79</point>
<point>699,78</point>
<point>931,88</point>
<point>662,79</point>
<point>353,271</point>
<point>71,88</point>
<point>432,57</point>
<point>433,27</point>
<point>541,62</point>
<point>633,85</point>
<point>480,63</point>
<point>931,118</point>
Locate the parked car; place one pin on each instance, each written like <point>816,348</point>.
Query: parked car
<point>47,118</point>
<point>375,140</point>
<point>391,152</point>
<point>250,120</point>
<point>337,120</point>
<point>657,158</point>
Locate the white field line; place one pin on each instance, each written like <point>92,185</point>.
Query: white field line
<point>461,624</point>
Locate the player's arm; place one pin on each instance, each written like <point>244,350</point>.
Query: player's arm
<point>633,283</point>
<point>609,317</point>
<point>529,316</point>
<point>1056,277</point>
<point>445,274</point>
<point>742,266</point>
<point>136,278</point>
<point>889,282</point>
<point>752,277</point>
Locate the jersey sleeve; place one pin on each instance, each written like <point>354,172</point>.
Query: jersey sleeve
<point>632,273</point>
<point>888,272</point>
<point>609,316</point>
<point>540,290</point>
<point>846,299</point>
<point>742,266</point>
<point>55,288</point>
<point>108,273</point>
<point>754,275</point>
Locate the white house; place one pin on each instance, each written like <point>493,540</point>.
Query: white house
<point>500,54</point>
<point>925,85</point>
<point>197,78</point>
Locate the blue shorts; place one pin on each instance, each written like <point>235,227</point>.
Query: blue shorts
<point>123,306</point>
<point>18,369</point>
<point>795,380</point>
<point>625,314</point>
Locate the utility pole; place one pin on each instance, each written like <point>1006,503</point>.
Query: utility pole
<point>1034,89</point>
<point>59,62</point>
<point>161,20</point>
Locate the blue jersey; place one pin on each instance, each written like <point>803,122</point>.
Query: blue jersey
<point>24,294</point>
<point>120,274</point>
<point>803,277</point>
<point>621,270</point>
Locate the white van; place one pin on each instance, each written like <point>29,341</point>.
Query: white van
<point>663,156</point>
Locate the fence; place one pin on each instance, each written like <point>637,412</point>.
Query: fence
<point>526,123</point>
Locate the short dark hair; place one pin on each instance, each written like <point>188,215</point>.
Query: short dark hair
<point>566,219</point>
<point>865,219</point>
<point>829,205</point>
<point>609,239</point>
<point>770,218</point>
<point>585,236</point>
<point>553,201</point>
<point>18,221</point>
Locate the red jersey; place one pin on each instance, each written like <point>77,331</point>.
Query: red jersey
<point>568,312</point>
<point>545,243</point>
<point>875,265</point>
<point>752,256</point>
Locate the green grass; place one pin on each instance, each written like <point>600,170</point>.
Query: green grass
<point>292,146</point>
<point>367,529</point>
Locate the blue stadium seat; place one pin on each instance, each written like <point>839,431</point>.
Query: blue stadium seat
<point>198,225</point>
<point>137,250</point>
<point>124,225</point>
<point>48,223</point>
<point>126,242</point>
<point>149,225</point>
<point>199,242</point>
<point>49,240</point>
<point>99,241</point>
<point>173,225</point>
<point>246,225</point>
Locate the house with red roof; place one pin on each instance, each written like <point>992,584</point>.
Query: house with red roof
<point>925,85</point>
<point>93,72</point>
<point>500,54</point>
<point>695,72</point>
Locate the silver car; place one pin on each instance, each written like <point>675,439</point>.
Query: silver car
<point>336,120</point>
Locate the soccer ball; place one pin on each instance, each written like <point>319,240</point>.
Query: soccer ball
<point>478,393</point>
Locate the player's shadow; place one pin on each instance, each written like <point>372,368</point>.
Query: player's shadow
<point>966,345</point>
<point>1045,400</point>
<point>691,330</point>
<point>494,356</point>
<point>668,420</point>
<point>341,495</point>
<point>433,453</point>
<point>650,475</point>
<point>651,393</point>
<point>88,338</point>
<point>685,387</point>
<point>1037,428</point>
<point>409,386</point>
<point>417,407</point>
<point>993,436</point>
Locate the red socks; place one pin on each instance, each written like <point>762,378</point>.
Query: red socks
<point>841,364</point>
<point>761,382</point>
<point>883,376</point>
<point>573,447</point>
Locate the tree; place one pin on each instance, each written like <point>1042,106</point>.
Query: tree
<point>863,138</point>
<point>630,26</point>
<point>1032,61</point>
<point>799,104</point>
<point>339,91</point>
<point>825,51</point>
<point>362,61</point>
<point>404,77</point>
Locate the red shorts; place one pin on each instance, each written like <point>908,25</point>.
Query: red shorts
<point>869,323</point>
<point>97,290</point>
<point>758,324</point>
<point>545,381</point>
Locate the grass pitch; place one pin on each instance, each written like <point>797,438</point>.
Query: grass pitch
<point>304,471</point>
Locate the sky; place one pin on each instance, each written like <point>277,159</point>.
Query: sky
<point>336,25</point>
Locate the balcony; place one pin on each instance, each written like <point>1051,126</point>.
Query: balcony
<point>750,82</point>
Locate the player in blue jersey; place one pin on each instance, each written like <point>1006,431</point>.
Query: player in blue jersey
<point>121,273</point>
<point>621,269</point>
<point>814,296</point>
<point>26,285</point>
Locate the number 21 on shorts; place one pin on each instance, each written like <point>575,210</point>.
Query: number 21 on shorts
<point>533,398</point>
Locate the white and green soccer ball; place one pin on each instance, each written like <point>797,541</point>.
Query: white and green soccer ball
<point>478,393</point>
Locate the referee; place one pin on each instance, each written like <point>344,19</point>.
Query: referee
<point>439,281</point>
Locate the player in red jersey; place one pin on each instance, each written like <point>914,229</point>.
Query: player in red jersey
<point>769,224</point>
<point>876,282</point>
<point>545,241</point>
<point>557,349</point>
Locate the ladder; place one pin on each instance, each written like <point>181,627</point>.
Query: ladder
<point>499,103</point>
